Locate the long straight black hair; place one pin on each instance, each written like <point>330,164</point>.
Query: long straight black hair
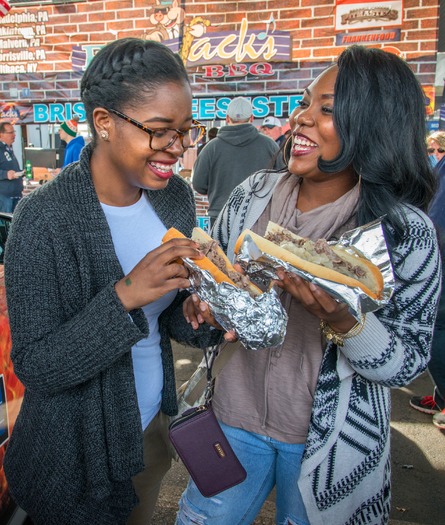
<point>379,115</point>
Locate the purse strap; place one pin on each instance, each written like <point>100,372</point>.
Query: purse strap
<point>215,361</point>
<point>208,392</point>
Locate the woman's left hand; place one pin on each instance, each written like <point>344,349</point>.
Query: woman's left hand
<point>197,312</point>
<point>317,301</point>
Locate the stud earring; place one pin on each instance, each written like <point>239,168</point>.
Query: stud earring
<point>104,135</point>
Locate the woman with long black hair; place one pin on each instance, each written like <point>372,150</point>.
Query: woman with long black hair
<point>312,418</point>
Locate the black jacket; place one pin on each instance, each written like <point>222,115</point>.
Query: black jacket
<point>8,161</point>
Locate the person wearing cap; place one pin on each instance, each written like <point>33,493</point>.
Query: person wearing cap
<point>74,143</point>
<point>271,127</point>
<point>238,150</point>
<point>11,182</point>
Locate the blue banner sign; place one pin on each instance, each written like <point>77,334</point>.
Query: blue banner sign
<point>206,108</point>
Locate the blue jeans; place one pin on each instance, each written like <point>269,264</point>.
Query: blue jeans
<point>8,204</point>
<point>268,463</point>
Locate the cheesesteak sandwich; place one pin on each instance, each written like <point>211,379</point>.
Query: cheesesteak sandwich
<point>319,259</point>
<point>215,261</point>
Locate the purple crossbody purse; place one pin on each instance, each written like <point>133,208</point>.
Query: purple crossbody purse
<point>203,448</point>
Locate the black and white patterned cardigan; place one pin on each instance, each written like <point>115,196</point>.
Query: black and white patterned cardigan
<point>345,475</point>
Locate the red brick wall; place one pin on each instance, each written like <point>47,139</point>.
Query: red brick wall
<point>310,23</point>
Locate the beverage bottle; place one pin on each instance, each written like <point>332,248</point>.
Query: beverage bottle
<point>28,170</point>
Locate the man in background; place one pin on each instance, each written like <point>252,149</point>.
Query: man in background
<point>271,127</point>
<point>238,150</point>
<point>74,144</point>
<point>11,182</point>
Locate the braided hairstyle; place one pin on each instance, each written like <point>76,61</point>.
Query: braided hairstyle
<point>125,71</point>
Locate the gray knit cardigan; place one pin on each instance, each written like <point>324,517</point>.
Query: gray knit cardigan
<point>345,473</point>
<point>78,438</point>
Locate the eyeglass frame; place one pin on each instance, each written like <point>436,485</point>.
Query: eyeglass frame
<point>151,131</point>
<point>432,150</point>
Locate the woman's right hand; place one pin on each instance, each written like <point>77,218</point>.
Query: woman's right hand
<point>316,301</point>
<point>158,273</point>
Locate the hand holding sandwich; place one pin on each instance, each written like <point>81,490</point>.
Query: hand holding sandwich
<point>321,260</point>
<point>218,265</point>
<point>158,273</point>
<point>227,299</point>
<point>197,312</point>
<point>316,301</point>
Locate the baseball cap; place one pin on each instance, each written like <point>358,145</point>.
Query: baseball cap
<point>239,109</point>
<point>70,126</point>
<point>271,122</point>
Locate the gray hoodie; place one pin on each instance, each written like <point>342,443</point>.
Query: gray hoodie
<point>226,161</point>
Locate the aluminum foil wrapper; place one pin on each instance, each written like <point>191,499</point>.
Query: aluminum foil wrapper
<point>367,239</point>
<point>258,322</point>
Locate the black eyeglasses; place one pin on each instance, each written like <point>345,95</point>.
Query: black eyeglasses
<point>433,150</point>
<point>163,138</point>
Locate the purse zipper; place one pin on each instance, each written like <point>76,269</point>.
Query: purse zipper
<point>188,414</point>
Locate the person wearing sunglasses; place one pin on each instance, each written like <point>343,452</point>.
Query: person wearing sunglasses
<point>436,149</point>
<point>94,298</point>
<point>435,404</point>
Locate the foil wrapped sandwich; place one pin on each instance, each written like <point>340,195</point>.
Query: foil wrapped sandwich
<point>257,317</point>
<point>355,270</point>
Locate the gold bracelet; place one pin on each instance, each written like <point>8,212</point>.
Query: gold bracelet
<point>338,338</point>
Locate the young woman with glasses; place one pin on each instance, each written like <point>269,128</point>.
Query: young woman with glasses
<point>94,299</point>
